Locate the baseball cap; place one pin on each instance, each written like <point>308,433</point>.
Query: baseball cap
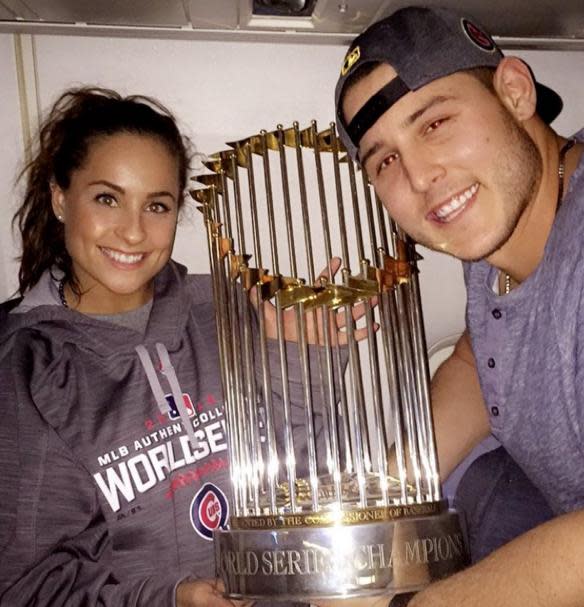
<point>421,44</point>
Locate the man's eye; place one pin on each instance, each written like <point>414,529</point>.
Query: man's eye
<point>386,162</point>
<point>434,125</point>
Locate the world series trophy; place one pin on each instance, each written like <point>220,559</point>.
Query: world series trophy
<point>335,483</point>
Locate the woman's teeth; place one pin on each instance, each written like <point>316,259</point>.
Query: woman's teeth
<point>123,257</point>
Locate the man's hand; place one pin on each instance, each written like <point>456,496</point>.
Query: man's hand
<point>315,320</point>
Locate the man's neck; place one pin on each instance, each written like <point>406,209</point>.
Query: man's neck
<point>523,251</point>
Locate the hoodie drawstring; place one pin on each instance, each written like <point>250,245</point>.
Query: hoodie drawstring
<point>168,371</point>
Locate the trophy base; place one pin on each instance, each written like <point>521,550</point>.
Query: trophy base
<point>340,561</point>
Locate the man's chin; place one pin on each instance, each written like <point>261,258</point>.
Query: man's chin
<point>477,252</point>
<point>470,249</point>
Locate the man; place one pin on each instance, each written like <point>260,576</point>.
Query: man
<point>455,139</point>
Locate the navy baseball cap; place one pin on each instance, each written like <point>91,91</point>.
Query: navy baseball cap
<point>421,45</point>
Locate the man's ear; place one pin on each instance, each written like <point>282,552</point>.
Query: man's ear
<point>58,201</point>
<point>515,87</point>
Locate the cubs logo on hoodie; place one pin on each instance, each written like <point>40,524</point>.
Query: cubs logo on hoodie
<point>209,511</point>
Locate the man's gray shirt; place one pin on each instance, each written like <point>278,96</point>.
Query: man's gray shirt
<point>529,350</point>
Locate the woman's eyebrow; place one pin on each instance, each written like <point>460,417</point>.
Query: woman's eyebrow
<point>109,184</point>
<point>121,190</point>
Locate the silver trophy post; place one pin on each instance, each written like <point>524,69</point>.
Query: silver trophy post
<point>335,483</point>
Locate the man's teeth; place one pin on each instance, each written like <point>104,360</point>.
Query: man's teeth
<point>457,202</point>
<point>123,257</point>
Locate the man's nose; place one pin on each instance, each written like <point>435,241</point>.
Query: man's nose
<point>423,170</point>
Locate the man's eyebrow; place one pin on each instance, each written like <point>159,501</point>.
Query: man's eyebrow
<point>369,153</point>
<point>430,104</point>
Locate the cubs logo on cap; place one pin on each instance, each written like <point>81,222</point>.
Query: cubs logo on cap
<point>478,36</point>
<point>209,511</point>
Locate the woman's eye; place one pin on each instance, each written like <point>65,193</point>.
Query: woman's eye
<point>158,207</point>
<point>106,199</point>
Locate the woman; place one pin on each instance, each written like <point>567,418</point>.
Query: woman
<point>114,456</point>
<point>104,469</point>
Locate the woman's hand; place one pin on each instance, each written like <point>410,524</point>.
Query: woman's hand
<point>370,601</point>
<point>203,593</point>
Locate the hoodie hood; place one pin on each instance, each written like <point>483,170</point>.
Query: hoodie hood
<point>166,324</point>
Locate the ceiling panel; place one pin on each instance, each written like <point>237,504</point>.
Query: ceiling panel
<point>112,12</point>
<point>541,23</point>
<point>4,13</point>
<point>222,14</point>
<point>16,9</point>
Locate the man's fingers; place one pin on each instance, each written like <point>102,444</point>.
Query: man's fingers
<point>363,332</point>
<point>331,269</point>
<point>357,312</point>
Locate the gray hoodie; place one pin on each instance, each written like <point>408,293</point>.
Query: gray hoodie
<point>102,491</point>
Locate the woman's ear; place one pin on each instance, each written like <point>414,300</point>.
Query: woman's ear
<point>515,87</point>
<point>58,201</point>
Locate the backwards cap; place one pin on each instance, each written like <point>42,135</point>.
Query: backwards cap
<point>421,45</point>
